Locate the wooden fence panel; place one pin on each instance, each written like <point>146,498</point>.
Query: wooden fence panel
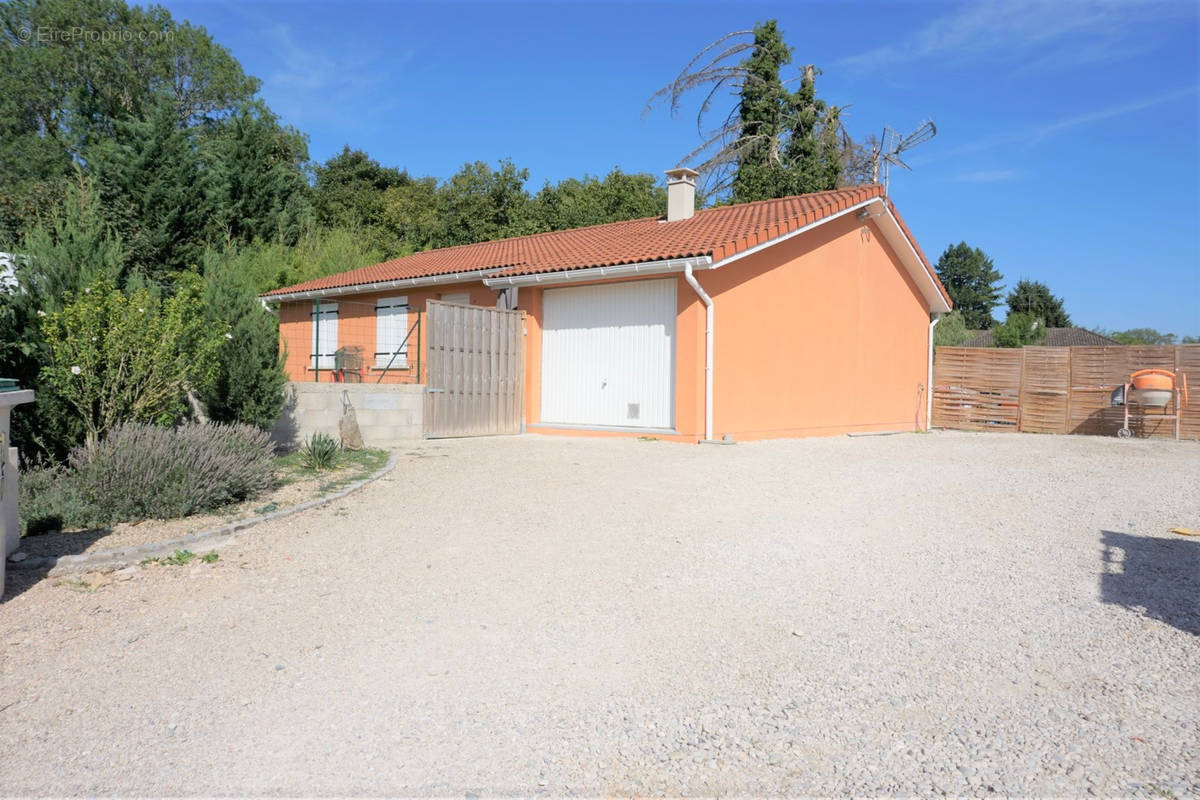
<point>1045,389</point>
<point>1187,361</point>
<point>973,393</point>
<point>1096,372</point>
<point>1056,389</point>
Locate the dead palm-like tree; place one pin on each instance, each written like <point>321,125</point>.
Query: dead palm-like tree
<point>727,64</point>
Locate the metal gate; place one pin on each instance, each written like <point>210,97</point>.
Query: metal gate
<point>476,375</point>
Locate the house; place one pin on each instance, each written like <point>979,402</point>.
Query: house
<point>1055,337</point>
<point>801,316</point>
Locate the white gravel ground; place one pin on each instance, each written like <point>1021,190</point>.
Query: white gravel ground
<point>952,613</point>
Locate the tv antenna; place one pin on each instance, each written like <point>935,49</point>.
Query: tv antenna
<point>887,149</point>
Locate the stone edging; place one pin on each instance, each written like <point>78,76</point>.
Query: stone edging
<point>198,542</point>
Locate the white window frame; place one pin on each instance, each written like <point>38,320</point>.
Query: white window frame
<point>391,327</point>
<point>327,326</point>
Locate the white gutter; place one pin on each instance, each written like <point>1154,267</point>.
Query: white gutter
<point>398,283</point>
<point>937,317</point>
<point>662,267</point>
<point>708,350</point>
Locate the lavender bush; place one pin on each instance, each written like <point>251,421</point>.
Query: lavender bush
<point>144,471</point>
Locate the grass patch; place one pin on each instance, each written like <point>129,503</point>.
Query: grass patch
<point>181,557</point>
<point>350,466</point>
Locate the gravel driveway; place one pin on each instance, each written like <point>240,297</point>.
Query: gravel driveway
<point>948,613</point>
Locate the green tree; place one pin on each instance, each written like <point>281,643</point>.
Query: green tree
<point>411,216</point>
<point>1034,298</point>
<point>813,158</point>
<point>155,193</point>
<point>762,107</point>
<point>1147,336</point>
<point>60,95</point>
<point>972,281</point>
<point>117,357</point>
<point>262,192</point>
<point>479,203</point>
<point>1018,330</point>
<point>248,379</point>
<point>576,202</point>
<point>951,331</point>
<point>264,266</point>
<point>350,191</point>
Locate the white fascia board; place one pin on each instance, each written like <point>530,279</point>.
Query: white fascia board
<point>916,265</point>
<point>895,236</point>
<point>379,286</point>
<point>598,273</point>
<point>791,234</point>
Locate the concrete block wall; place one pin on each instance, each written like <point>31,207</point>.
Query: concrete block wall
<point>389,415</point>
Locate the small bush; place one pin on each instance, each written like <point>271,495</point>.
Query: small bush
<point>49,500</point>
<point>320,452</point>
<point>142,471</point>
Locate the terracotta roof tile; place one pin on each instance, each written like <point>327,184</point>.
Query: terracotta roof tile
<point>720,232</point>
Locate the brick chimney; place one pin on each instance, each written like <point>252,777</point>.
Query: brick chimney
<point>681,193</point>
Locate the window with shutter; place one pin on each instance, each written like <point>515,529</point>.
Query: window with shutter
<point>325,335</point>
<point>391,326</point>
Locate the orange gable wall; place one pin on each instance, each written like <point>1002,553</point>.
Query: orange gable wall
<point>820,335</point>
<point>357,328</point>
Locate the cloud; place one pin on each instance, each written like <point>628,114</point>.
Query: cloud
<point>988,176</point>
<point>1033,33</point>
<point>1046,131</point>
<point>1036,134</point>
<point>318,79</point>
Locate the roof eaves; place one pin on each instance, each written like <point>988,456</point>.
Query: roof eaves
<point>298,293</point>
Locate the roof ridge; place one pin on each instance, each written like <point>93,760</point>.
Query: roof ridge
<point>752,203</point>
<point>706,211</point>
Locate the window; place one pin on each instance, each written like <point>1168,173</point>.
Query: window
<point>460,298</point>
<point>325,335</point>
<point>391,326</point>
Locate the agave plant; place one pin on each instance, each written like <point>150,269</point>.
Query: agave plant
<point>320,451</point>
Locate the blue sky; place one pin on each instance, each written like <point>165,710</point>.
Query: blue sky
<point>1068,142</point>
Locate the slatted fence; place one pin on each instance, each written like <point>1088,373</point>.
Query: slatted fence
<point>1055,389</point>
<point>475,379</point>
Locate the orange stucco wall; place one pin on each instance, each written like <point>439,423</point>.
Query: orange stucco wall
<point>357,328</point>
<point>819,335</point>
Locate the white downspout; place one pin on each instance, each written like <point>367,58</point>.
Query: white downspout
<point>708,349</point>
<point>937,317</point>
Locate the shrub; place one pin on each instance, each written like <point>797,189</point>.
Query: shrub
<point>50,500</point>
<point>951,331</point>
<point>118,357</point>
<point>319,451</point>
<point>142,471</point>
<point>1018,330</point>
<point>249,377</point>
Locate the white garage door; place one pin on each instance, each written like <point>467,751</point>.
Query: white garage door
<point>608,355</point>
